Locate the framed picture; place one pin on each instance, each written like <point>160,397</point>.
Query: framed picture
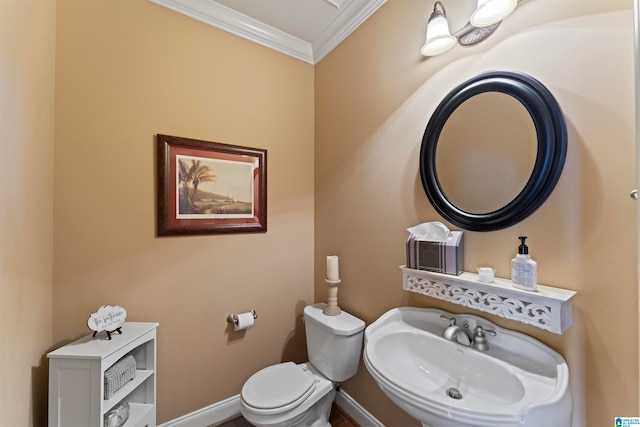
<point>209,187</point>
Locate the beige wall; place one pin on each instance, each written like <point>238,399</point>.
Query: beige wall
<point>374,96</point>
<point>27,58</point>
<point>126,71</point>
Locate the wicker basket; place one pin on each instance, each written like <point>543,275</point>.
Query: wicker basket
<point>118,375</point>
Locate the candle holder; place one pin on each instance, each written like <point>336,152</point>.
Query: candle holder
<point>332,308</point>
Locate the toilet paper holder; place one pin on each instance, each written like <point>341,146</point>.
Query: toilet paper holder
<point>233,318</point>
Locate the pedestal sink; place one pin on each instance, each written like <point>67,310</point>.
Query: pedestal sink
<point>518,381</point>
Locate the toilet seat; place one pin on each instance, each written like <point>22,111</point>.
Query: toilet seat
<point>277,388</point>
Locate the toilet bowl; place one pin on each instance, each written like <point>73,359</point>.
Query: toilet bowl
<point>286,395</point>
<point>289,394</point>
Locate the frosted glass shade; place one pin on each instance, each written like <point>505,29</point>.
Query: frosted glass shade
<point>490,12</point>
<point>439,39</point>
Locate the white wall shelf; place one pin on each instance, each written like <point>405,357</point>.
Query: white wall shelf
<point>547,308</point>
<point>76,378</point>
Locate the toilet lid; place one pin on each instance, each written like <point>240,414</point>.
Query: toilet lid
<point>277,386</point>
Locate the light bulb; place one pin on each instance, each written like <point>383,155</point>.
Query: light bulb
<point>439,38</point>
<point>490,12</point>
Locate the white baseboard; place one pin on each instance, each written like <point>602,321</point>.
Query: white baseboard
<point>209,415</point>
<point>230,407</point>
<point>355,410</point>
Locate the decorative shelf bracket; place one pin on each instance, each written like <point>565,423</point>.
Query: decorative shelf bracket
<point>547,308</point>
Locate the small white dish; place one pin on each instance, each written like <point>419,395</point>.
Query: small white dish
<point>486,274</point>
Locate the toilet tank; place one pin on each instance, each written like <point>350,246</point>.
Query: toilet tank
<point>334,343</point>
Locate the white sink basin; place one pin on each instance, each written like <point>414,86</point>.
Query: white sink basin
<point>518,381</point>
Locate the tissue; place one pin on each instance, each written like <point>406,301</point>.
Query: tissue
<point>434,231</point>
<point>245,321</point>
<point>431,246</point>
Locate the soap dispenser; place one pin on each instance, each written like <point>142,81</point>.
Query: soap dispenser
<point>524,273</point>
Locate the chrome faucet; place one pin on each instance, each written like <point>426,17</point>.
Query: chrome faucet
<point>462,335</point>
<point>455,333</point>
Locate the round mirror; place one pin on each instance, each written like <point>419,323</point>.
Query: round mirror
<point>472,156</point>
<point>493,151</point>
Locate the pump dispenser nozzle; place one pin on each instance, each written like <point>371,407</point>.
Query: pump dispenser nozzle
<point>523,249</point>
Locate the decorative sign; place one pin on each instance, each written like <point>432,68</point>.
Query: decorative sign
<point>107,318</point>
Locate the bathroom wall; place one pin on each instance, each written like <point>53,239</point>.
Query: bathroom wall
<point>27,60</point>
<point>127,70</point>
<point>374,96</point>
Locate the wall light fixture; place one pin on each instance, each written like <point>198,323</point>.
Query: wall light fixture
<point>483,22</point>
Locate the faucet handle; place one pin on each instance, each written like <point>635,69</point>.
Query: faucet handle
<point>480,331</point>
<point>451,320</point>
<point>480,340</point>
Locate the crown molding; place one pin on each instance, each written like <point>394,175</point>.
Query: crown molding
<point>227,19</point>
<point>344,25</point>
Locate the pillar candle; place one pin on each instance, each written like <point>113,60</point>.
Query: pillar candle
<point>332,268</point>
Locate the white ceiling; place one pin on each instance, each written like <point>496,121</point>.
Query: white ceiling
<point>304,29</point>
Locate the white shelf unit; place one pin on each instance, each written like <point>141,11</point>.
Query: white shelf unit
<point>76,378</point>
<point>547,308</point>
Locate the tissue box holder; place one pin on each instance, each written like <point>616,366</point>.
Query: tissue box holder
<point>118,375</point>
<point>440,257</point>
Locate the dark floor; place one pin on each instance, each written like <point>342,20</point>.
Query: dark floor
<point>236,422</point>
<point>337,419</point>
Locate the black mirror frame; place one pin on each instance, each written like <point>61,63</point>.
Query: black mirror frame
<point>551,131</point>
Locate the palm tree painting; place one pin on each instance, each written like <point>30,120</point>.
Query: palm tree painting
<point>207,187</point>
<point>213,188</point>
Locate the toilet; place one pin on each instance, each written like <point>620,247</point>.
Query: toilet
<point>289,394</point>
